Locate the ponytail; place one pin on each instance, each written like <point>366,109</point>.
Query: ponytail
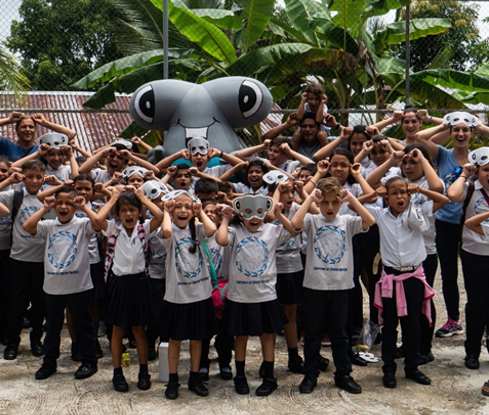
<point>193,235</point>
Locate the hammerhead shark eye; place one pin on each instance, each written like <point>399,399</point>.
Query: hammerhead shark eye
<point>145,104</point>
<point>250,98</point>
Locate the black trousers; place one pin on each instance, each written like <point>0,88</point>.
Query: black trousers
<point>330,309</point>
<point>153,330</point>
<point>430,265</point>
<point>476,279</point>
<point>369,247</point>
<point>447,245</point>
<point>224,344</point>
<point>411,330</point>
<point>6,290</point>
<point>26,279</point>
<point>85,334</point>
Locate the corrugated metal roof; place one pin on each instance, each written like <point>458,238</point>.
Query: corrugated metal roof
<point>94,129</point>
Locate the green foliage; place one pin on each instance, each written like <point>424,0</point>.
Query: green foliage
<point>12,75</point>
<point>61,41</point>
<point>462,40</point>
<point>342,44</point>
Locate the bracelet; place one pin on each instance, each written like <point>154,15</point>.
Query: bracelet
<point>431,119</point>
<point>337,127</point>
<point>463,176</point>
<point>220,155</point>
<point>313,182</point>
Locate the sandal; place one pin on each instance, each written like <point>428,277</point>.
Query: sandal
<point>485,388</point>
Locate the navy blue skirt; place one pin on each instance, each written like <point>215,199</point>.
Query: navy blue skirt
<point>129,301</point>
<point>253,319</point>
<point>192,321</point>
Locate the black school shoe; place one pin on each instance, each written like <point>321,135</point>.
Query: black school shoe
<point>323,363</point>
<point>144,381</point>
<point>45,371</point>
<point>308,384</point>
<point>347,383</point>
<point>389,380</point>
<point>85,371</point>
<point>241,385</point>
<point>171,391</point>
<point>418,377</point>
<point>37,349</point>
<point>10,352</point>
<point>198,387</point>
<point>296,365</point>
<point>120,383</point>
<point>267,387</point>
<point>357,360</point>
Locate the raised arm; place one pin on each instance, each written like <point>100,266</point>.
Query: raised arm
<point>155,210</point>
<point>99,221</point>
<point>374,178</point>
<point>143,163</point>
<point>222,235</point>
<point>209,225</point>
<point>438,199</point>
<point>168,161</point>
<point>325,151</point>
<point>475,222</point>
<point>39,119</point>
<point>297,220</point>
<point>456,190</point>
<point>30,225</point>
<point>367,218</point>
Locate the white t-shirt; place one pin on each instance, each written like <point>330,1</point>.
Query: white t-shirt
<point>25,247</point>
<point>100,175</point>
<point>66,255</point>
<point>253,271</point>
<point>329,265</point>
<point>62,173</point>
<point>472,242</point>
<point>401,239</point>
<point>157,256</point>
<point>187,275</point>
<point>289,166</point>
<point>93,251</point>
<point>289,252</point>
<point>356,190</point>
<point>429,235</point>
<point>129,255</point>
<point>247,190</point>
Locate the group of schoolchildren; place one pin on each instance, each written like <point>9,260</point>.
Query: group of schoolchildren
<point>182,251</point>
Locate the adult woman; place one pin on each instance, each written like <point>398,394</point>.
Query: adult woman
<point>448,227</point>
<point>25,126</point>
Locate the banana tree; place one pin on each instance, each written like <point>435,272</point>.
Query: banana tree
<point>330,40</point>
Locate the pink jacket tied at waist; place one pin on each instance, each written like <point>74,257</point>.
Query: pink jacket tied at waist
<point>385,288</point>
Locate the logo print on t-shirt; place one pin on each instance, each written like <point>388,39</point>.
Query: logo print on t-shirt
<point>252,256</point>
<point>329,244</point>
<point>480,206</point>
<point>193,262</point>
<point>62,246</point>
<point>287,244</point>
<point>26,213</point>
<point>216,259</point>
<point>157,250</point>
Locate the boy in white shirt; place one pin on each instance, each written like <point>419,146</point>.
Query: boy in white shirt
<point>67,281</point>
<point>328,277</point>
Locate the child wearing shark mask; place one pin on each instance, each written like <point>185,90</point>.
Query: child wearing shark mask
<point>252,307</point>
